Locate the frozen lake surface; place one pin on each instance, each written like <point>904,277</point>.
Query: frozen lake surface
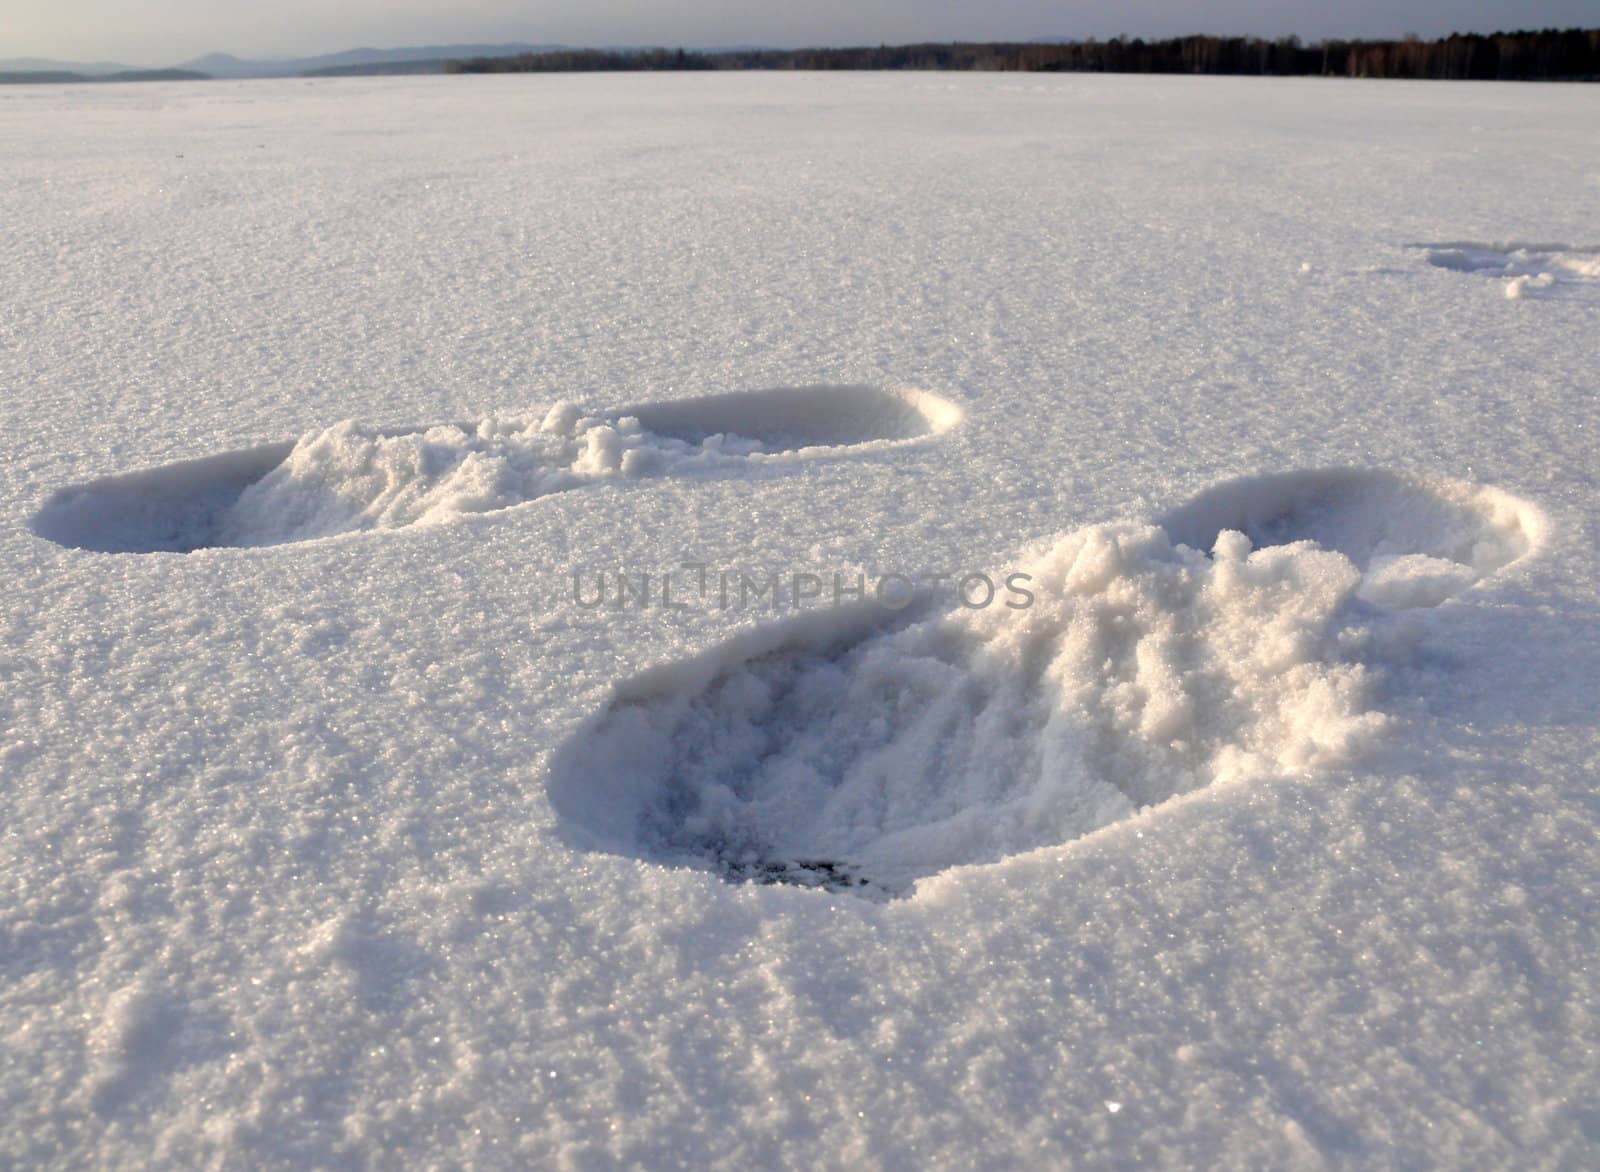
<point>346,817</point>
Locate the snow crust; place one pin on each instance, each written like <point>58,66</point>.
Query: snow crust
<point>304,860</point>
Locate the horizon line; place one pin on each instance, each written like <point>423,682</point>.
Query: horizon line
<point>562,46</point>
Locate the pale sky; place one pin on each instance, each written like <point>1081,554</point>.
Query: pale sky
<point>163,32</point>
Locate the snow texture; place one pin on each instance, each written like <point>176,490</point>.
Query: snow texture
<point>337,829</point>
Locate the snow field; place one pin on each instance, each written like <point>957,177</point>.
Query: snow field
<point>303,861</point>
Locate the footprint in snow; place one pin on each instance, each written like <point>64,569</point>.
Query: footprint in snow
<point>350,478</point>
<point>861,750</point>
<point>1528,270</point>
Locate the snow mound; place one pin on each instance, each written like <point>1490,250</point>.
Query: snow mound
<point>858,752</point>
<point>351,478</point>
<point>1528,270</point>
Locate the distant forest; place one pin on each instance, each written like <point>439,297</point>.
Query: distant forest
<point>1547,55</point>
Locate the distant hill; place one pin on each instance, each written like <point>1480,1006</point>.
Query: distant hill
<point>350,62</point>
<point>40,77</point>
<point>154,75</point>
<point>68,77</point>
<point>52,65</point>
<point>227,65</point>
<point>416,59</point>
<point>383,69</point>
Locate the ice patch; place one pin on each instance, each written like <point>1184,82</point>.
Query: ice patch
<point>1529,270</point>
<point>857,752</point>
<point>350,478</point>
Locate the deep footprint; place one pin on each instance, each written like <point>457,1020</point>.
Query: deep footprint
<point>354,479</point>
<point>1528,270</point>
<point>855,752</point>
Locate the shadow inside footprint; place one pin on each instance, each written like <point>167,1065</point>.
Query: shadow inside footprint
<point>171,509</point>
<point>794,419</point>
<point>350,478</point>
<point>859,752</point>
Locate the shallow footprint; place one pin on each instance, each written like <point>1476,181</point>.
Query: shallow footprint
<point>1528,270</point>
<point>859,752</point>
<point>350,478</point>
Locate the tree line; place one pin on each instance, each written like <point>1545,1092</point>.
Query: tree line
<point>1541,55</point>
